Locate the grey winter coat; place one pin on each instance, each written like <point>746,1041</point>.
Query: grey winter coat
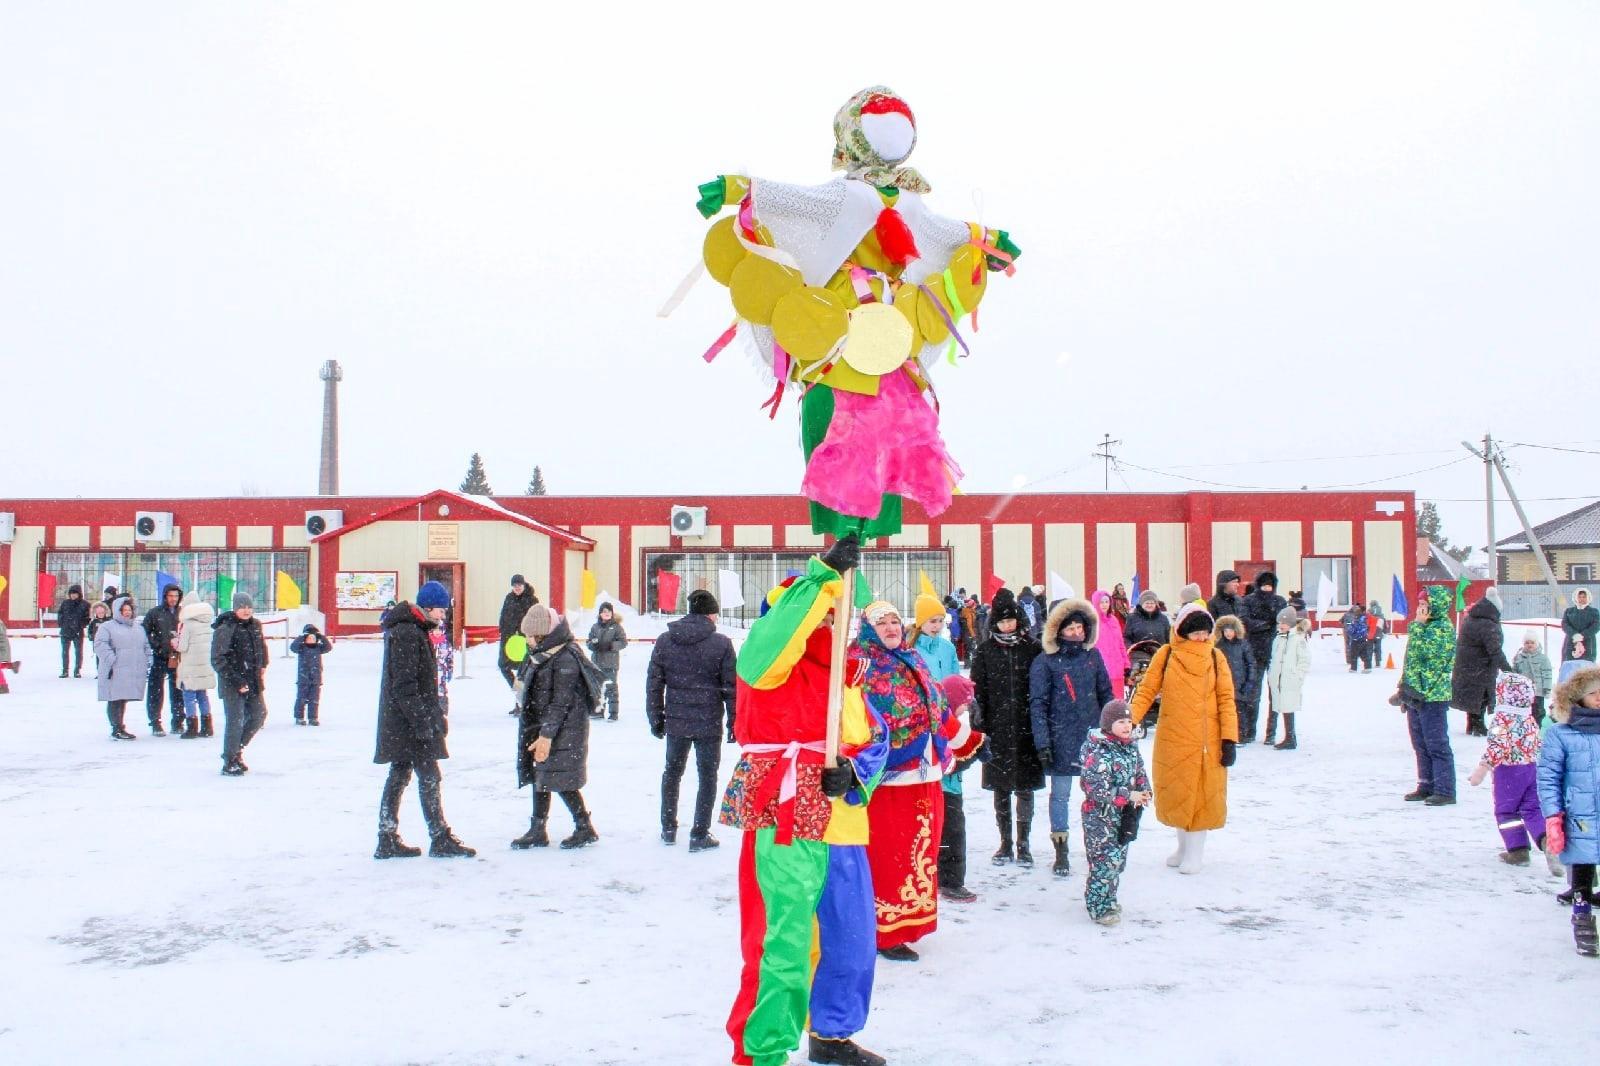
<point>606,643</point>
<point>555,704</point>
<point>124,655</point>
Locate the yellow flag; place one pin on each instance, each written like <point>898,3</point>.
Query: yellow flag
<point>289,596</point>
<point>924,586</point>
<point>3,584</point>
<point>588,590</point>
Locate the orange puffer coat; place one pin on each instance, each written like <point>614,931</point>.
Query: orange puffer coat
<point>1197,715</point>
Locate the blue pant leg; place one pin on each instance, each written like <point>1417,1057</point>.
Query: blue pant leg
<point>847,929</point>
<point>1436,732</point>
<point>1419,748</point>
<point>1061,802</point>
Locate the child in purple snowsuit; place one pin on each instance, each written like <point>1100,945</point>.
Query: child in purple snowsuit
<point>1513,755</point>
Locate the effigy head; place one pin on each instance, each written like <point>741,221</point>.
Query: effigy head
<point>874,131</point>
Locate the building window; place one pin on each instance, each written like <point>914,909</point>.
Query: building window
<point>893,575</point>
<point>1580,572</point>
<point>1335,568</point>
<point>253,572</point>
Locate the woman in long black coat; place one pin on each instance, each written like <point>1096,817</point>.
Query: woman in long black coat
<point>553,734</point>
<point>412,726</point>
<point>1000,710</point>
<point>1480,656</point>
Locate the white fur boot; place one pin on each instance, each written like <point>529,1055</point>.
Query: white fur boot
<point>1194,850</point>
<point>1176,858</point>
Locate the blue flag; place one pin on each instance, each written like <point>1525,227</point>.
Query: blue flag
<point>163,579</point>
<point>1398,607</point>
<point>1133,596</point>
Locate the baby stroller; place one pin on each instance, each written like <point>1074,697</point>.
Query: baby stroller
<point>1139,656</point>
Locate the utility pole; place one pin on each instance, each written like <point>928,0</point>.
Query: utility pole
<point>1488,457</point>
<point>1106,454</point>
<point>1533,538</point>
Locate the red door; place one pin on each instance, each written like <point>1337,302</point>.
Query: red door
<point>453,576</point>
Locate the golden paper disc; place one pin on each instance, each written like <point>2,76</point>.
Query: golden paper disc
<point>808,322</point>
<point>879,339</point>
<point>722,250</point>
<point>757,284</point>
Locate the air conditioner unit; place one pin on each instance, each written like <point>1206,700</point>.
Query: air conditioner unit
<point>319,522</point>
<point>688,521</point>
<point>8,527</point>
<point>153,526</point>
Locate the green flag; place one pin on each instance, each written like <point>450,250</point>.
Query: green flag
<point>1461,592</point>
<point>225,586</point>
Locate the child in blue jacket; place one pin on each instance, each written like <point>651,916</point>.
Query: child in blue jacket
<point>1569,794</point>
<point>310,646</point>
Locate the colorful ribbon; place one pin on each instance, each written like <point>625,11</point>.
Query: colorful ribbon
<point>721,342</point>
<point>785,784</point>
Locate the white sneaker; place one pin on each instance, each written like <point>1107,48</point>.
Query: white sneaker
<point>1176,858</point>
<point>1193,852</point>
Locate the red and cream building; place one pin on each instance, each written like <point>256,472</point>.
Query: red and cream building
<point>368,545</point>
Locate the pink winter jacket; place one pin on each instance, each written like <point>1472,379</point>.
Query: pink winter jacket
<point>1110,643</point>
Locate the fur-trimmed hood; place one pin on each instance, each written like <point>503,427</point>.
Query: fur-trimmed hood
<point>1051,637</point>
<point>1572,690</point>
<point>1229,620</point>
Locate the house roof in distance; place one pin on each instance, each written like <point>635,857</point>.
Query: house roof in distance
<point>1575,529</point>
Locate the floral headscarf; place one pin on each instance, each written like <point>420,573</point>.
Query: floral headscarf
<point>854,154</point>
<point>898,686</point>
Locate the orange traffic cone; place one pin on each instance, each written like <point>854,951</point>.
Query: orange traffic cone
<point>1390,664</point>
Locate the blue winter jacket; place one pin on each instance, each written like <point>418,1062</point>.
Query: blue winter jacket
<point>1569,782</point>
<point>309,673</point>
<point>1067,689</point>
<point>940,656</point>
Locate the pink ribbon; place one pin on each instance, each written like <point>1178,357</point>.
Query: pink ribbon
<point>721,342</point>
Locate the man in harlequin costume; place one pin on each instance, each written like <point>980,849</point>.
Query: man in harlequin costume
<point>805,888</point>
<point>851,291</point>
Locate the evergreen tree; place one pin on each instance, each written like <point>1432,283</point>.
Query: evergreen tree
<point>1428,524</point>
<point>536,484</point>
<point>476,483</point>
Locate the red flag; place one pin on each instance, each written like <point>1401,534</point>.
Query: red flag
<point>667,585</point>
<point>47,591</point>
<point>996,583</point>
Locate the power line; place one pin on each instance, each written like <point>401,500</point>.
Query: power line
<point>1293,488</point>
<point>1554,448</point>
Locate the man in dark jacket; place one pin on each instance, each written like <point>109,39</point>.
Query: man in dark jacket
<point>1147,622</point>
<point>606,643</point>
<point>1354,624</point>
<point>310,646</point>
<point>1480,656</point>
<point>1260,618</point>
<point>412,725</point>
<point>1227,600</point>
<point>239,656</point>
<point>72,619</point>
<point>516,604</point>
<point>160,626</point>
<point>690,700</point>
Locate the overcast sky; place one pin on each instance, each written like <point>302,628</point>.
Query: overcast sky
<point>1254,237</point>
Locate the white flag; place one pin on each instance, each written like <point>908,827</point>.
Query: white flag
<point>1059,589</point>
<point>1325,596</point>
<point>730,590</point>
<point>108,579</point>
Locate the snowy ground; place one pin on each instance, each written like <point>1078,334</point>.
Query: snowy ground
<point>155,911</point>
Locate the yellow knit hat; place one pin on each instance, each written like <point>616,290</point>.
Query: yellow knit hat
<point>927,607</point>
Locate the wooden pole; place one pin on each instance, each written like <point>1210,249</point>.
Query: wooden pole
<point>836,669</point>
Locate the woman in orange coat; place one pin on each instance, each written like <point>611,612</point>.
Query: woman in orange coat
<point>1196,740</point>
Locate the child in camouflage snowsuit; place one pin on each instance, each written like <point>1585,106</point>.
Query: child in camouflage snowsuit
<point>1114,781</point>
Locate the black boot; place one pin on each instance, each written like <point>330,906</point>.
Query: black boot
<point>119,731</point>
<point>669,834</point>
<point>1024,855</point>
<point>841,1052</point>
<point>233,768</point>
<point>703,842</point>
<point>1004,854</point>
<point>390,846</point>
<point>1583,932</point>
<point>583,833</point>
<point>191,729</point>
<point>156,730</point>
<point>1288,742</point>
<point>1417,795</point>
<point>536,836</point>
<point>1062,867</point>
<point>205,726</point>
<point>446,846</point>
<point>1272,727</point>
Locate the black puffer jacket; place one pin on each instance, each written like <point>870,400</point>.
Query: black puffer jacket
<point>512,610</point>
<point>1000,711</point>
<point>411,721</point>
<point>1242,663</point>
<point>238,654</point>
<point>73,618</point>
<point>1260,616</point>
<point>1222,603</point>
<point>1141,627</point>
<point>555,704</point>
<point>161,625</point>
<point>1480,655</point>
<point>692,684</point>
